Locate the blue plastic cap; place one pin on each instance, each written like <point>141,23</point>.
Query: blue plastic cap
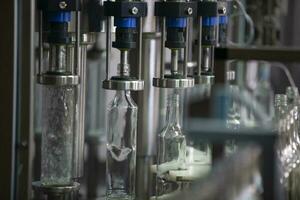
<point>176,22</point>
<point>59,16</point>
<point>210,21</point>
<point>223,20</point>
<point>129,22</point>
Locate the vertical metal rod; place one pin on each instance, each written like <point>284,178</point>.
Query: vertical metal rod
<point>174,61</point>
<point>78,151</point>
<point>162,47</point>
<point>187,30</point>
<point>217,33</point>
<point>212,58</point>
<point>83,51</point>
<point>139,50</point>
<point>199,46</point>
<point>77,44</point>
<point>40,42</point>
<point>108,45</point>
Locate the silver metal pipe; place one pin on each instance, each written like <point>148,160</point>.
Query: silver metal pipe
<point>187,31</point>
<point>199,46</point>
<point>78,150</point>
<point>162,47</point>
<point>148,116</point>
<point>77,43</point>
<point>140,46</point>
<point>58,58</point>
<point>108,45</point>
<point>124,57</point>
<point>81,122</point>
<point>212,59</point>
<point>124,63</point>
<point>206,59</point>
<point>149,22</point>
<point>174,61</point>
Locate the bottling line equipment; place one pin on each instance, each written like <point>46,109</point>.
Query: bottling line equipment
<point>147,100</point>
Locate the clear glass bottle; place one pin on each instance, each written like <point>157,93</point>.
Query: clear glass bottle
<point>293,108</point>
<point>121,147</point>
<point>233,120</point>
<point>282,126</point>
<point>280,107</point>
<point>58,119</point>
<point>263,93</point>
<point>171,154</point>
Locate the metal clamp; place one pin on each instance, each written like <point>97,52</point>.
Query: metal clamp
<point>173,83</point>
<point>57,80</point>
<point>205,80</point>
<point>132,85</point>
<point>175,9</point>
<point>207,9</point>
<point>59,5</point>
<point>125,8</point>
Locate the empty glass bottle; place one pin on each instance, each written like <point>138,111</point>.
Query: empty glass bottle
<point>263,93</point>
<point>121,147</point>
<point>171,149</point>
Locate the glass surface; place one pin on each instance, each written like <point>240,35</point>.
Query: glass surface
<point>171,155</point>
<point>263,92</point>
<point>58,119</point>
<point>121,147</point>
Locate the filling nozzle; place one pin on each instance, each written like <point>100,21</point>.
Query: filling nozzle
<point>128,37</point>
<point>207,40</point>
<point>175,20</point>
<point>174,61</point>
<point>124,66</point>
<point>207,67</point>
<point>58,59</point>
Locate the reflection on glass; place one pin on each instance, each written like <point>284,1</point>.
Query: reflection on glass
<point>121,147</point>
<point>171,155</point>
<point>57,135</point>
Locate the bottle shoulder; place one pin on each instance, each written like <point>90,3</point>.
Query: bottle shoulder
<point>172,131</point>
<point>123,100</point>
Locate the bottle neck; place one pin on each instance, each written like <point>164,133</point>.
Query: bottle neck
<point>173,110</point>
<point>123,93</point>
<point>124,97</point>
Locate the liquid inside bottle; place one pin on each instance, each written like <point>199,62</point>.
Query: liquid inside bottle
<point>171,150</point>
<point>121,147</point>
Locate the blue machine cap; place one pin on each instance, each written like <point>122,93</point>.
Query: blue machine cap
<point>223,20</point>
<point>59,16</point>
<point>210,21</point>
<point>176,22</point>
<point>129,22</point>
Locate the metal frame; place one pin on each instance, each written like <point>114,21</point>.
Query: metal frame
<point>7,100</point>
<point>16,102</point>
<point>282,54</point>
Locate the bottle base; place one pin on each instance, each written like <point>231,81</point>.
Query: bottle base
<point>118,195</point>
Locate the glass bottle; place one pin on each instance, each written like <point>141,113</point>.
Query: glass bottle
<point>263,93</point>
<point>58,119</point>
<point>292,102</point>
<point>282,127</point>
<point>233,120</point>
<point>121,147</point>
<point>280,107</point>
<point>171,148</point>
